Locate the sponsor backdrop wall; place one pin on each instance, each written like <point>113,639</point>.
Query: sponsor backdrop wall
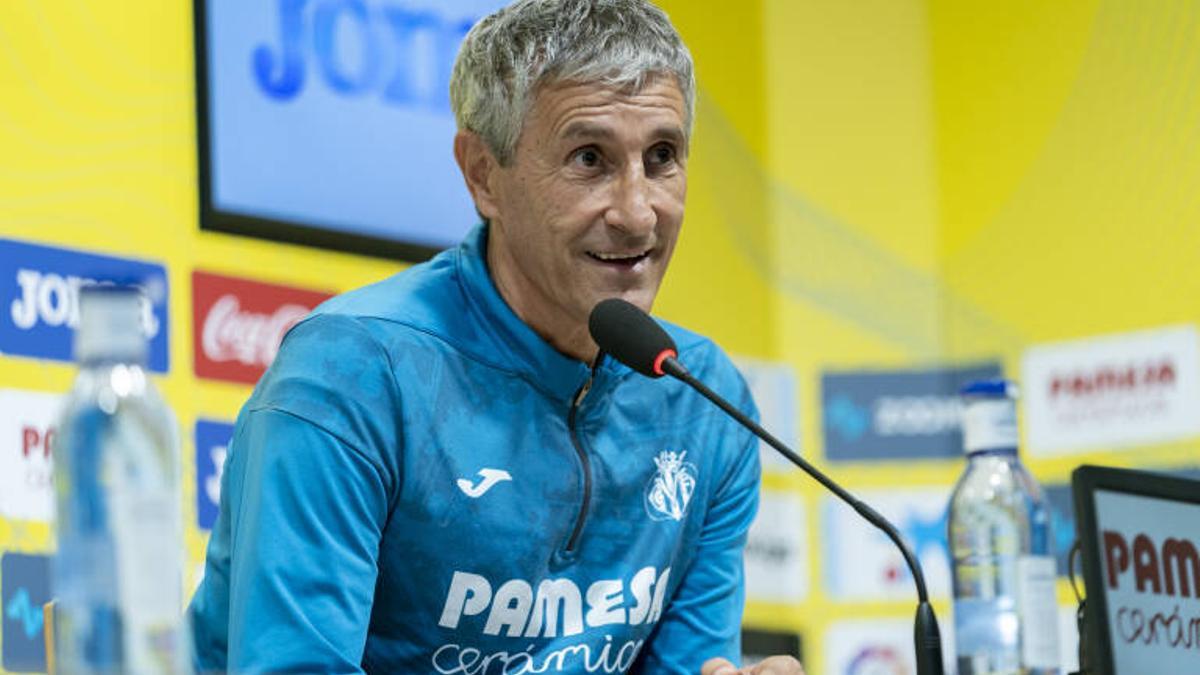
<point>887,198</point>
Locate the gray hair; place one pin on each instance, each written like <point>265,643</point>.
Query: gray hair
<point>508,55</point>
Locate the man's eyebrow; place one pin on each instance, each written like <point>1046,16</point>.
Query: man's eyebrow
<point>588,130</point>
<point>671,133</point>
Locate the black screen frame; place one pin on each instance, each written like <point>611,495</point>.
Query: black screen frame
<point>1085,481</point>
<point>215,220</point>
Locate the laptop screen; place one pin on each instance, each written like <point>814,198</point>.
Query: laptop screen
<point>1147,547</point>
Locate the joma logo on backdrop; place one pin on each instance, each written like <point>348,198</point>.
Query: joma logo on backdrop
<point>39,286</point>
<point>53,299</point>
<point>402,55</point>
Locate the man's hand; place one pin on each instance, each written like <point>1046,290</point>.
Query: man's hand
<point>775,665</point>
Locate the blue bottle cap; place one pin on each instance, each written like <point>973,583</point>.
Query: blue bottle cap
<point>990,388</point>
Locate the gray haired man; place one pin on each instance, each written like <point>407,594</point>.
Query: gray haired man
<point>440,473</point>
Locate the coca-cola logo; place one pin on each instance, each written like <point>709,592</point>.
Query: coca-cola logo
<point>232,334</point>
<point>1108,380</point>
<point>240,324</point>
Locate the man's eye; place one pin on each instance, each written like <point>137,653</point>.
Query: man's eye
<point>587,157</point>
<point>662,154</point>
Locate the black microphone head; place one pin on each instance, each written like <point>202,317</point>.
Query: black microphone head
<point>630,336</point>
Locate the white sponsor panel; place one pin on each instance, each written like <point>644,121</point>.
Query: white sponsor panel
<point>861,563</point>
<point>885,646</point>
<point>880,647</point>
<point>26,465</point>
<point>777,550</point>
<point>1112,391</point>
<point>773,386</point>
<point>1068,639</point>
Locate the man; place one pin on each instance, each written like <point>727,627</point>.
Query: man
<point>439,473</point>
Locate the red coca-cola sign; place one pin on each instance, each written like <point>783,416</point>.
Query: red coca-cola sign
<point>238,324</point>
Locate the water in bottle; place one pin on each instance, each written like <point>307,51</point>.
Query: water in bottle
<point>1005,611</point>
<point>117,573</point>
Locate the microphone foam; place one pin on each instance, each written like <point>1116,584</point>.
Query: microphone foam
<point>630,336</point>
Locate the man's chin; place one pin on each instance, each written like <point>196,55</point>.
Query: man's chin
<point>641,298</point>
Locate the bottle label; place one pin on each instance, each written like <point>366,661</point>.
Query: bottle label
<point>990,425</point>
<point>1038,607</point>
<point>146,532</point>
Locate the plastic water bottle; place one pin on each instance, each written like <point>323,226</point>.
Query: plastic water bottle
<point>117,575</point>
<point>1005,611</point>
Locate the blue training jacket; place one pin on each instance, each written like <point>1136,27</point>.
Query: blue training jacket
<point>421,484</point>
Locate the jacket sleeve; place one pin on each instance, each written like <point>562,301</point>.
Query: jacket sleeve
<point>704,617</point>
<point>291,569</point>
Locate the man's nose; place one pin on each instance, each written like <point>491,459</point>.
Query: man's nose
<point>631,209</point>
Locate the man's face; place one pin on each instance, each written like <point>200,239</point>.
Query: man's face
<point>591,204</point>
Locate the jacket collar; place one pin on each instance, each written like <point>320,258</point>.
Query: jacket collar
<point>518,346</point>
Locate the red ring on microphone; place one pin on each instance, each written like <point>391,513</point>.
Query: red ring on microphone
<point>663,356</point>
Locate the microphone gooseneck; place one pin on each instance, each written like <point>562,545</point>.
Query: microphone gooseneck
<point>630,336</point>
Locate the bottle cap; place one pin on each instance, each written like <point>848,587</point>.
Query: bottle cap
<point>990,415</point>
<point>110,324</point>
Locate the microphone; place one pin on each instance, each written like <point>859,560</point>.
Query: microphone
<point>629,335</point>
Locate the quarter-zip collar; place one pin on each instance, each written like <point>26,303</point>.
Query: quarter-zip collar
<point>519,347</point>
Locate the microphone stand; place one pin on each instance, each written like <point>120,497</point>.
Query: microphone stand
<point>926,636</point>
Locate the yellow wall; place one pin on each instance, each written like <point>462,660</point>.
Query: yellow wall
<point>876,183</point>
<point>1068,160</point>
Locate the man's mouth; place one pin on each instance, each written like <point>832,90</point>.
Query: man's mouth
<point>619,259</point>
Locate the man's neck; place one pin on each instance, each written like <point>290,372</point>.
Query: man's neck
<point>567,334</point>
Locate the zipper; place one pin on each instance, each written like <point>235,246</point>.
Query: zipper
<point>586,463</point>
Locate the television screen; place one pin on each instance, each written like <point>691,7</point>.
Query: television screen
<point>328,122</point>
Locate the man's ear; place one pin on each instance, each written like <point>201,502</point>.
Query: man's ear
<point>479,169</point>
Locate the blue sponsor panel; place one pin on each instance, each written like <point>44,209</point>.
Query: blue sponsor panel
<point>212,446</point>
<point>883,415</point>
<point>39,287</point>
<point>1062,523</point>
<point>24,588</point>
